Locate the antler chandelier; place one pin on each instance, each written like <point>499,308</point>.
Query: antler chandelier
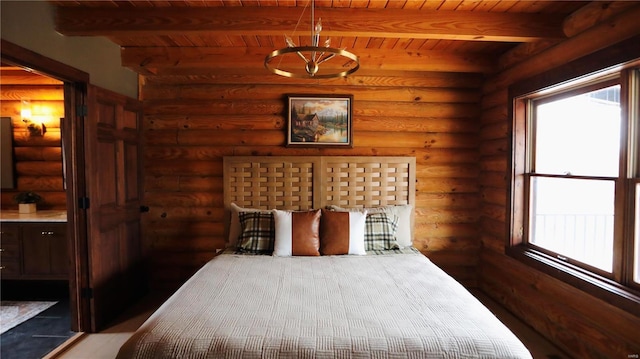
<point>312,56</point>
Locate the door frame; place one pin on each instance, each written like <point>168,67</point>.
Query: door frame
<point>72,130</point>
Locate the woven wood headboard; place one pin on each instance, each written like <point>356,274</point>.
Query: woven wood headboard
<point>306,182</point>
<point>314,182</point>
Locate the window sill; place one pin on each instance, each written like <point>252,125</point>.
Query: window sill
<point>603,288</point>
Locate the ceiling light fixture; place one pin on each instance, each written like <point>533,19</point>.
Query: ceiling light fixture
<point>312,56</point>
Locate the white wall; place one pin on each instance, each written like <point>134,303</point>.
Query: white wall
<point>30,24</point>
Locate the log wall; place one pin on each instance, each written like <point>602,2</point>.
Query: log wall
<point>580,324</point>
<point>38,159</point>
<point>191,123</point>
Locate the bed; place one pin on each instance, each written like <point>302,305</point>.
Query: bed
<point>282,299</point>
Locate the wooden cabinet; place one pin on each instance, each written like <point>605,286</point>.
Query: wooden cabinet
<point>34,251</point>
<point>9,250</point>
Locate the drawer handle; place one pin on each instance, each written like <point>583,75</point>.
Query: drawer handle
<point>2,267</point>
<point>1,249</point>
<point>47,233</point>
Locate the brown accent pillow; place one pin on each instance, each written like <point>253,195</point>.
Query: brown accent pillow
<point>342,233</point>
<point>305,233</point>
<point>297,233</point>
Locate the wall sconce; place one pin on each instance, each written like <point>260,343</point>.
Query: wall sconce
<point>35,129</point>
<point>25,110</point>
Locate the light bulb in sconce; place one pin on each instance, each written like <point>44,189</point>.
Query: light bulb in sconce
<point>25,110</point>
<point>34,128</point>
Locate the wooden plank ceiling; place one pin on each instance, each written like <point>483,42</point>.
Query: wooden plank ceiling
<point>232,37</point>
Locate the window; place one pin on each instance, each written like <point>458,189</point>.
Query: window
<point>575,189</point>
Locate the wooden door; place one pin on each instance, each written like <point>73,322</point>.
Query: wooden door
<point>113,173</point>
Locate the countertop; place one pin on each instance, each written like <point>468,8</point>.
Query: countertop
<point>38,216</point>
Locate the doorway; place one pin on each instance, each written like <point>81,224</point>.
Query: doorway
<point>101,136</point>
<point>74,84</point>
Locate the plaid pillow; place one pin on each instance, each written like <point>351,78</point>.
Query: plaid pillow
<point>258,232</point>
<point>380,231</point>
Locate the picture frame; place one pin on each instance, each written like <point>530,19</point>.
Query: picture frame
<point>320,121</point>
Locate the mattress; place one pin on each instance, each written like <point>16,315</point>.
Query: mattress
<point>389,305</point>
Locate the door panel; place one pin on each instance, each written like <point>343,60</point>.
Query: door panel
<point>112,148</point>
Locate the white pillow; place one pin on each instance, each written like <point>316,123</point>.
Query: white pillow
<point>235,229</point>
<point>297,233</point>
<point>342,233</point>
<point>404,234</point>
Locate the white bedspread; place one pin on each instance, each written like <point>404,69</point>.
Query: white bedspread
<point>375,306</point>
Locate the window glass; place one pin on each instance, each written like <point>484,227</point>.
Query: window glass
<point>574,218</point>
<point>579,135</point>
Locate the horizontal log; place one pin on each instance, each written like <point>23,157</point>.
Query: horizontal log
<point>391,79</point>
<point>183,183</point>
<point>494,115</point>
<point>410,140</point>
<point>199,243</point>
<point>39,93</point>
<point>231,138</point>
<point>431,245</point>
<point>445,215</point>
<point>204,153</point>
<point>446,230</point>
<point>494,196</point>
<point>494,211</point>
<point>448,171</point>
<point>41,183</point>
<point>185,230</point>
<point>185,199</point>
<point>277,138</point>
<point>218,122</point>
<point>415,124</point>
<point>161,215</point>
<point>183,168</point>
<point>217,60</point>
<point>494,131</point>
<point>495,163</point>
<point>38,153</point>
<point>269,122</point>
<point>445,185</point>
<point>22,138</point>
<point>492,243</point>
<point>39,168</point>
<point>497,180</point>
<point>270,92</point>
<point>493,227</point>
<point>19,76</point>
<point>447,200</point>
<point>48,112</point>
<point>495,147</point>
<point>278,107</point>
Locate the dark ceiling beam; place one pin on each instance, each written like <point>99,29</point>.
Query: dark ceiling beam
<point>276,21</point>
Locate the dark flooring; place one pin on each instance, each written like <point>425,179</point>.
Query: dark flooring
<point>39,335</point>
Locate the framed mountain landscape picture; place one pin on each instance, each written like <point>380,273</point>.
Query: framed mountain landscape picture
<point>320,121</point>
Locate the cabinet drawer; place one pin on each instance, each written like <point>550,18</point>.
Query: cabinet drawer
<point>9,233</point>
<point>9,250</point>
<point>10,267</point>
